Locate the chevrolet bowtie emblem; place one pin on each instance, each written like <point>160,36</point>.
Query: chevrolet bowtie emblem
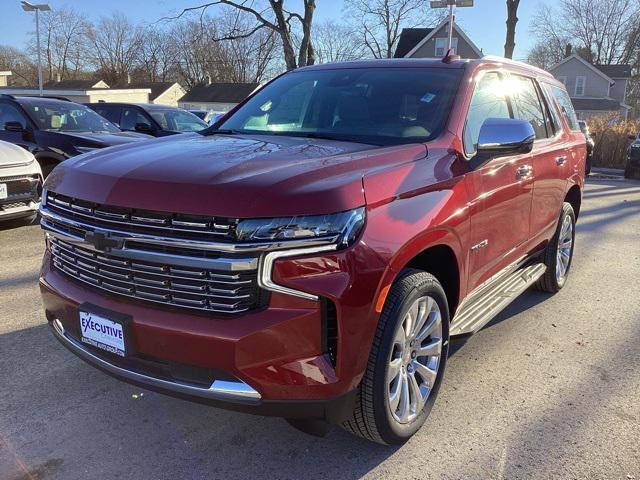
<point>102,241</point>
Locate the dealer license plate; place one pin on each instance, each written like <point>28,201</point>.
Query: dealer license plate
<point>102,333</point>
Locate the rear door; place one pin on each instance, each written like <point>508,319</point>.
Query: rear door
<point>550,156</point>
<point>502,188</point>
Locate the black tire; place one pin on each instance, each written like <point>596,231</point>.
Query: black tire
<point>372,418</point>
<point>47,166</point>
<point>549,282</point>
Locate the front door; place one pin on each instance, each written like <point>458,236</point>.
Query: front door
<point>501,190</point>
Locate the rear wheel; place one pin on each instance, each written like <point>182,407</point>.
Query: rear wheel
<point>406,363</point>
<point>559,252</point>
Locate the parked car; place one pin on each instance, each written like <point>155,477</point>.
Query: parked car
<point>312,256</point>
<point>207,116</point>
<point>632,168</point>
<point>150,119</point>
<point>20,183</point>
<point>54,129</point>
<point>590,145</point>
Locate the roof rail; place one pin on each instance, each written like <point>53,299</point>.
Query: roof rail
<point>52,97</point>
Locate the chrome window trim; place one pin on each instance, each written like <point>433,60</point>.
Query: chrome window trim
<point>265,279</point>
<point>219,389</point>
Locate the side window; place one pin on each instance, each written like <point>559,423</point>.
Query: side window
<point>488,101</point>
<point>109,113</point>
<point>9,113</point>
<point>131,116</point>
<point>527,104</point>
<point>566,106</point>
<point>552,109</point>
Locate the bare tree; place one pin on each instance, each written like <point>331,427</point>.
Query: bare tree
<point>607,32</point>
<point>24,71</point>
<point>64,45</point>
<point>158,54</point>
<point>380,22</point>
<point>512,20</point>
<point>116,44</point>
<point>278,19</point>
<point>337,42</point>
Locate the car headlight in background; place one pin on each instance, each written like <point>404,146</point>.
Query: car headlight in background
<point>345,226</point>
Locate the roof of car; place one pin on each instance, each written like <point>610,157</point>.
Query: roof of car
<point>27,99</point>
<point>428,62</point>
<point>145,106</point>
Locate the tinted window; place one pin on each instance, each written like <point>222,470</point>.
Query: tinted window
<point>110,113</point>
<point>551,107</point>
<point>178,120</point>
<point>130,117</point>
<point>380,106</point>
<point>527,104</point>
<point>566,107</point>
<point>488,101</point>
<point>9,113</point>
<point>67,117</point>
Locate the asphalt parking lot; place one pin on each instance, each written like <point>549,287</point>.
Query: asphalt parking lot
<point>550,389</point>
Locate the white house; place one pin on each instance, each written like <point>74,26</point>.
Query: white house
<point>433,42</point>
<point>4,78</point>
<point>219,97</point>
<point>162,93</point>
<point>85,91</point>
<point>594,89</point>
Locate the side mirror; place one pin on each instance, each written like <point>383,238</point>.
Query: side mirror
<point>143,128</point>
<point>14,127</point>
<point>502,137</point>
<point>632,137</point>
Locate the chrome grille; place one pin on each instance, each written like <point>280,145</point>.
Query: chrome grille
<point>168,284</point>
<point>171,225</point>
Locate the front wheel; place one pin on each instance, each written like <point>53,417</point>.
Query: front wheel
<point>559,252</point>
<point>406,363</point>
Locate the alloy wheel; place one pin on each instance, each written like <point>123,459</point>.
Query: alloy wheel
<point>565,246</point>
<point>414,361</point>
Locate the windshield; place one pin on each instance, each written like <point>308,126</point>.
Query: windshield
<point>178,120</point>
<point>68,117</point>
<point>379,106</point>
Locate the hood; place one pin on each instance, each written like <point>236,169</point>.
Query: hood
<point>12,155</point>
<point>229,175</point>
<point>106,139</point>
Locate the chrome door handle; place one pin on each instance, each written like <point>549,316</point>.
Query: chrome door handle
<point>561,160</point>
<point>523,172</point>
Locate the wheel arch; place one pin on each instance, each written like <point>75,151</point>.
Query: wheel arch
<point>574,197</point>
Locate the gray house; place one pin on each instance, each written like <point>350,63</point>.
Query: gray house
<point>432,42</point>
<point>594,89</point>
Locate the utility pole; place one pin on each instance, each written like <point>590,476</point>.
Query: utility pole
<point>43,7</point>
<point>451,4</point>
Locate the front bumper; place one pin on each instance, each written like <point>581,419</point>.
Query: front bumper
<point>271,362</point>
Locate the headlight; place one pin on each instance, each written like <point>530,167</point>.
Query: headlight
<point>86,149</point>
<point>344,226</point>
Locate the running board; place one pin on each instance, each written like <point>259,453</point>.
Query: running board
<point>486,304</point>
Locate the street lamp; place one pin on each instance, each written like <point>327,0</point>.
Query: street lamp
<point>43,7</point>
<point>452,4</point>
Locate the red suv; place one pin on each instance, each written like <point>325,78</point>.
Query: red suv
<point>311,255</point>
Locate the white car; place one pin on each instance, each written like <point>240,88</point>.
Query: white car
<point>20,182</point>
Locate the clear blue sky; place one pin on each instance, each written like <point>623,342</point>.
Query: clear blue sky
<point>485,23</point>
